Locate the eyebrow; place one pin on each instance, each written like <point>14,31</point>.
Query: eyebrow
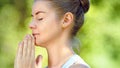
<point>38,12</point>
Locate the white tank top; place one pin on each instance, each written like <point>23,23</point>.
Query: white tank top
<point>75,59</point>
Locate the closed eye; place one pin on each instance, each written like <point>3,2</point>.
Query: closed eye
<point>40,19</point>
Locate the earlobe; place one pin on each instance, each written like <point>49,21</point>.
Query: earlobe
<point>67,20</point>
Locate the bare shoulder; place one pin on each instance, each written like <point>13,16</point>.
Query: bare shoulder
<point>78,66</point>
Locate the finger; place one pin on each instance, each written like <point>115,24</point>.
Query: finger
<point>29,49</point>
<point>38,63</point>
<point>18,54</point>
<point>25,46</point>
<point>32,54</point>
<point>33,47</point>
<point>20,50</point>
<point>33,40</point>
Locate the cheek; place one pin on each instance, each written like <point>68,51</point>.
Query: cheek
<point>48,31</point>
<point>52,32</point>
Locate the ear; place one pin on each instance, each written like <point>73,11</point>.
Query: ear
<point>67,20</point>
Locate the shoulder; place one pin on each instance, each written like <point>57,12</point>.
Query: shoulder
<point>79,66</point>
<point>79,63</point>
<point>75,62</point>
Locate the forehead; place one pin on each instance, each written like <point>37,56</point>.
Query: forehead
<point>40,6</point>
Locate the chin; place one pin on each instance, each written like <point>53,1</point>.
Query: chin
<point>40,44</point>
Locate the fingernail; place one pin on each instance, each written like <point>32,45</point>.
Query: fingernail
<point>31,35</point>
<point>41,56</point>
<point>28,36</point>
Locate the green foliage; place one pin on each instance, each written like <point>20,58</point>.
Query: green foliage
<point>100,35</point>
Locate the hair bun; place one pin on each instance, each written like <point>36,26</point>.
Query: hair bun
<point>85,5</point>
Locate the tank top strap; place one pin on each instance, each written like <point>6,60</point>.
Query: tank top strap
<point>71,61</point>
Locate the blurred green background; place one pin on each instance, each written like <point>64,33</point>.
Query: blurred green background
<point>100,35</point>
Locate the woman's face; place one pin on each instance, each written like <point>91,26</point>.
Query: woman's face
<point>45,26</point>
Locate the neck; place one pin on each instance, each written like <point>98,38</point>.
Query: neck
<point>59,52</point>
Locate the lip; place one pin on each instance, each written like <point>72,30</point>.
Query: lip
<point>34,34</point>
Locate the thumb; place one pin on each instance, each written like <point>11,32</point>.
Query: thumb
<point>38,62</point>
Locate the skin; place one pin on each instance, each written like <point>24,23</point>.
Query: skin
<point>49,32</point>
<point>25,57</point>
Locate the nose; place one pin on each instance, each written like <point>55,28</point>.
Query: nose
<point>32,25</point>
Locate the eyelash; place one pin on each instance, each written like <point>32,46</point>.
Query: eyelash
<point>40,19</point>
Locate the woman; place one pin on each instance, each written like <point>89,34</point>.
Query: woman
<point>54,24</point>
